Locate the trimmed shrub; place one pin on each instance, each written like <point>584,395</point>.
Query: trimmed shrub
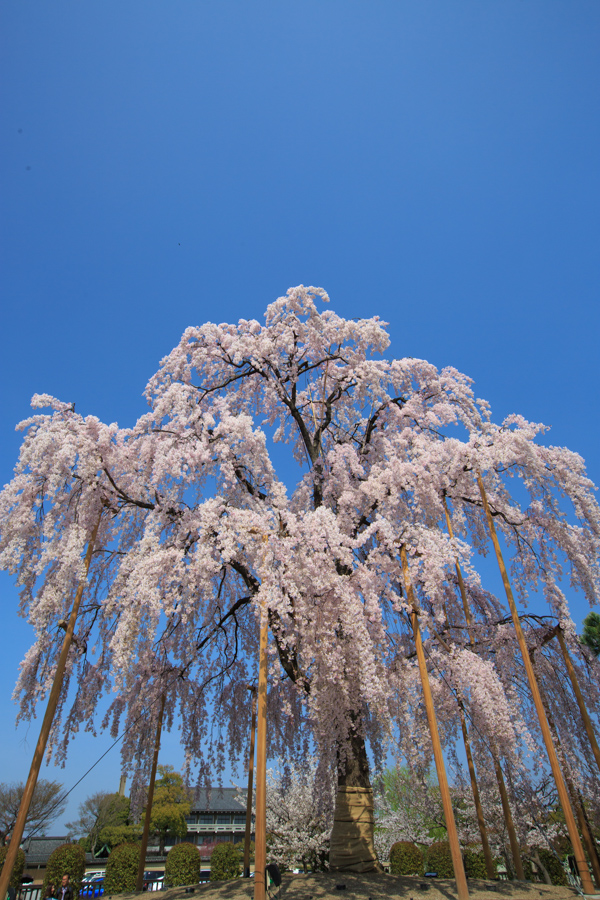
<point>474,861</point>
<point>406,859</point>
<point>122,868</point>
<point>183,865</point>
<point>439,859</point>
<point>69,859</point>
<point>554,866</point>
<point>15,878</point>
<point>224,862</point>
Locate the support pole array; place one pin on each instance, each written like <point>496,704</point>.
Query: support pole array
<point>490,866</point>
<point>139,886</point>
<point>17,834</point>
<point>587,722</point>
<point>584,874</point>
<point>459,870</point>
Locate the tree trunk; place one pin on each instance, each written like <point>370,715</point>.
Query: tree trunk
<point>352,848</point>
<point>541,867</point>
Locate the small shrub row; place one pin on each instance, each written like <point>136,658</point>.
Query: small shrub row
<point>122,868</point>
<point>224,862</point>
<point>183,865</point>
<point>408,859</point>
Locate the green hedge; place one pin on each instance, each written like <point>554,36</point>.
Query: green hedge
<point>18,867</point>
<point>122,868</point>
<point>69,859</point>
<point>224,862</point>
<point>183,865</point>
<point>439,859</point>
<point>406,859</point>
<point>474,862</point>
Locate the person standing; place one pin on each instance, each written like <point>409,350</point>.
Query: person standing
<point>65,891</point>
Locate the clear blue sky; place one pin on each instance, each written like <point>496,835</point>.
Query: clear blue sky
<point>167,163</point>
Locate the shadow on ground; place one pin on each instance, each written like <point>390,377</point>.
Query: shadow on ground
<point>325,886</point>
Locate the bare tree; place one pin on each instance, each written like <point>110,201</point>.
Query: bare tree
<point>46,806</point>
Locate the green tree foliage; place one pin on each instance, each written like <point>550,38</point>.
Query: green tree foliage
<point>406,859</point>
<point>70,859</point>
<point>183,865</point>
<point>591,632</point>
<point>102,817</point>
<point>113,835</point>
<point>474,862</point>
<point>170,806</point>
<point>17,868</point>
<point>240,849</point>
<point>121,869</point>
<point>46,805</point>
<point>439,859</point>
<point>224,862</point>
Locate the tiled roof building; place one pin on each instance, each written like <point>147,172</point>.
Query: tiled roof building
<point>216,816</point>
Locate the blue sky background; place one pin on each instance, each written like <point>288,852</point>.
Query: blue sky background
<point>167,163</point>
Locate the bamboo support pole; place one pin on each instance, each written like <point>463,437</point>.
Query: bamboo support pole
<point>510,825</point>
<point>457,862</point>
<point>490,866</point>
<point>260,826</point>
<point>250,779</point>
<point>139,886</point>
<point>587,722</point>
<point>584,874</point>
<point>17,833</point>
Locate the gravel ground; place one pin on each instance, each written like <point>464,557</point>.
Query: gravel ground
<point>324,886</point>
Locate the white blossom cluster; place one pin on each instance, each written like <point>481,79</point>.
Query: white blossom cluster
<point>300,806</point>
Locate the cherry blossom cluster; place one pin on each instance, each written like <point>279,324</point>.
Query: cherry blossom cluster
<point>199,537</point>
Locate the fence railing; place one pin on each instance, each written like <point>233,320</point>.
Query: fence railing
<point>87,891</point>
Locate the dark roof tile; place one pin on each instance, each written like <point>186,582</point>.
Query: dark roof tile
<point>217,799</point>
<point>38,849</point>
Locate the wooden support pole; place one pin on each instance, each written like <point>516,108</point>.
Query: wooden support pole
<point>510,825</point>
<point>461,581</point>
<point>591,844</point>
<point>587,722</point>
<point>17,833</point>
<point>250,778</point>
<point>139,885</point>
<point>260,825</point>
<point>588,840</point>
<point>490,866</point>
<point>459,869</point>
<point>584,874</point>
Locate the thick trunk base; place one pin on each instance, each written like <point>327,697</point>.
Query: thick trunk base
<point>352,848</point>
